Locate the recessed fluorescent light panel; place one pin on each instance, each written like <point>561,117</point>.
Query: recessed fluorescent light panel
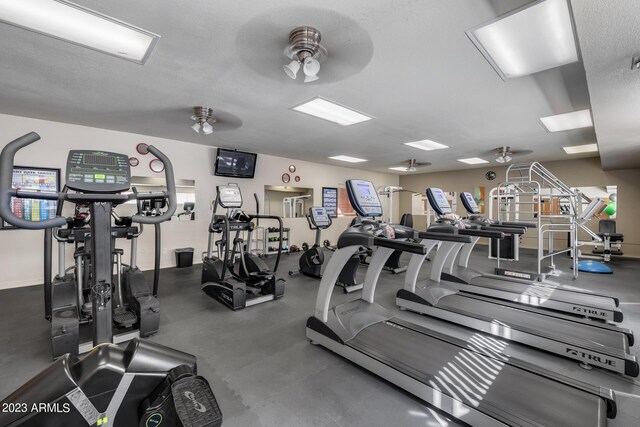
<point>426,145</point>
<point>533,38</point>
<point>579,149</point>
<point>348,159</point>
<point>76,24</point>
<point>329,110</point>
<point>399,168</point>
<point>567,121</point>
<point>473,161</point>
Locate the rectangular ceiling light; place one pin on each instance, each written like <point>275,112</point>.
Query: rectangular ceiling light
<point>348,159</point>
<point>536,37</point>
<point>329,110</point>
<point>399,168</point>
<point>579,149</point>
<point>76,24</point>
<point>473,161</point>
<point>426,145</point>
<point>567,121</point>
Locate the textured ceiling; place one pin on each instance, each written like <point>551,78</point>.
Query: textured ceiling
<point>609,41</point>
<point>408,63</point>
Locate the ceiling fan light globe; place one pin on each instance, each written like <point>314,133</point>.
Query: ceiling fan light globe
<point>291,69</point>
<point>196,127</point>
<point>311,66</point>
<point>308,79</point>
<point>207,128</point>
<point>507,158</point>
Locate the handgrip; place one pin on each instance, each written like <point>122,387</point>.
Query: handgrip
<point>399,245</point>
<point>445,237</point>
<point>505,229</point>
<point>6,192</point>
<point>482,233</point>
<point>170,193</point>
<point>519,224</point>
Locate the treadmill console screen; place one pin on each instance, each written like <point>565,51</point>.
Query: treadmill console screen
<point>229,196</point>
<point>469,204</point>
<point>364,198</point>
<point>319,217</point>
<point>98,172</point>
<point>438,201</point>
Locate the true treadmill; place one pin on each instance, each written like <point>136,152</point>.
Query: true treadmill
<point>591,342</point>
<point>570,301</point>
<point>452,375</point>
<point>462,272</point>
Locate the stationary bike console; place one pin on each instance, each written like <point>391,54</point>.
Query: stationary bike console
<point>98,172</point>
<point>319,218</point>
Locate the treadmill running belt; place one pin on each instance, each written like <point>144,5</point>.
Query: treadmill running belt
<point>511,395</point>
<point>545,292</point>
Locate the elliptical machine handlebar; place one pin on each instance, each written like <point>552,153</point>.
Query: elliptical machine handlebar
<point>6,192</point>
<point>7,158</point>
<point>170,194</point>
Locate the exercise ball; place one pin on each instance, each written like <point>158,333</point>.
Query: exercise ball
<point>611,208</point>
<point>613,197</point>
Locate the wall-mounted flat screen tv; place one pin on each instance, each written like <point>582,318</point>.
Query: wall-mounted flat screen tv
<point>235,164</point>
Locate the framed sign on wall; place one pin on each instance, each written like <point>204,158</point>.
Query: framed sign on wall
<point>330,201</point>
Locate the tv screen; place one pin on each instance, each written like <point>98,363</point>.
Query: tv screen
<point>235,164</point>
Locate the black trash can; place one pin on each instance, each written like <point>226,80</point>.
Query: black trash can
<point>184,257</point>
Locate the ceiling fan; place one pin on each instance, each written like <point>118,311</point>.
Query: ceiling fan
<point>505,154</point>
<point>412,165</point>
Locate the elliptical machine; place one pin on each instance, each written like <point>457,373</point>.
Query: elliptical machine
<point>311,260</point>
<point>143,384</point>
<point>235,277</point>
<point>68,306</point>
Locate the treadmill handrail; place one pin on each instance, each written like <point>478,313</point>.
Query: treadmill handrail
<point>482,233</point>
<point>444,237</point>
<point>400,245</point>
<point>504,229</point>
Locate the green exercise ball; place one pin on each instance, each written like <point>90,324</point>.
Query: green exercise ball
<point>611,208</point>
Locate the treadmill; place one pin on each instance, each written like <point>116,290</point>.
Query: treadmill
<point>570,301</point>
<point>590,342</point>
<point>477,387</point>
<point>461,272</point>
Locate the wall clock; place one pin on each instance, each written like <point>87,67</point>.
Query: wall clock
<point>292,168</point>
<point>156,165</point>
<point>133,162</point>
<point>286,178</point>
<point>491,175</point>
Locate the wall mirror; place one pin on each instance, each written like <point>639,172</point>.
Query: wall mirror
<point>185,192</point>
<point>286,201</point>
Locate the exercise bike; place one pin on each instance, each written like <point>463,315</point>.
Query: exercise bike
<point>144,384</point>
<point>312,258</point>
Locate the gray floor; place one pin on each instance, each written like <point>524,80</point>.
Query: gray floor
<point>263,370</point>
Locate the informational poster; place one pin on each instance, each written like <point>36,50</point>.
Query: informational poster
<point>330,201</point>
<point>35,179</point>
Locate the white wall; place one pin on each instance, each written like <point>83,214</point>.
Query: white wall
<point>21,251</point>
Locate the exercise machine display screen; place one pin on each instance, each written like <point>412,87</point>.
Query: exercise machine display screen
<point>439,201</point>
<point>98,172</point>
<point>469,204</point>
<point>229,196</point>
<point>364,198</point>
<point>320,217</point>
